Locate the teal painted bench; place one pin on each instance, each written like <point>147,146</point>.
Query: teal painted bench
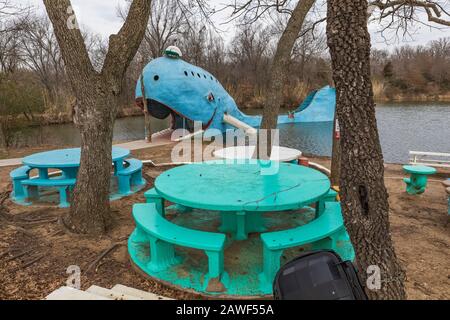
<point>31,187</point>
<point>17,176</point>
<point>164,235</point>
<point>130,176</point>
<point>419,178</point>
<point>325,231</point>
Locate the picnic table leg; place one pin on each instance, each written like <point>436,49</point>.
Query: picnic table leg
<point>124,182</point>
<point>162,255</point>
<point>320,208</point>
<point>228,220</point>
<point>255,222</point>
<point>63,199</point>
<point>118,166</point>
<point>215,264</point>
<point>241,232</point>
<point>271,265</point>
<point>43,173</point>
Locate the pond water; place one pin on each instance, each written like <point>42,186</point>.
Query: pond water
<point>403,127</point>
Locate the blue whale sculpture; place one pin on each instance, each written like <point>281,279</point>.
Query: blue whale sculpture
<point>176,87</point>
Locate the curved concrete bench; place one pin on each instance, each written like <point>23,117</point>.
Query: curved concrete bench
<point>17,176</point>
<point>130,176</point>
<point>329,226</point>
<point>164,235</point>
<point>63,185</point>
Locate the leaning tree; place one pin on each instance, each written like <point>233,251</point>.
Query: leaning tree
<point>96,106</point>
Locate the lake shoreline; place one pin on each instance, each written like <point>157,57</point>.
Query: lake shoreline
<point>46,119</point>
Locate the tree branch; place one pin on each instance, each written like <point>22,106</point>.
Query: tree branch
<point>120,53</point>
<point>70,40</point>
<point>433,9</point>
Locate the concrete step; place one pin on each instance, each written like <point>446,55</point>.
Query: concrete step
<point>144,295</point>
<point>67,293</point>
<point>110,294</point>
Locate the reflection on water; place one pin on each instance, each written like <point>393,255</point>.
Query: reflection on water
<point>125,129</point>
<point>403,128</point>
<point>311,138</point>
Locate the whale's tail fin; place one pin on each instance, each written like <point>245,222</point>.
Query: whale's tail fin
<point>307,102</point>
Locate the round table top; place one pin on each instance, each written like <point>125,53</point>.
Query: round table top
<point>224,186</point>
<point>66,158</point>
<point>420,169</point>
<point>281,154</point>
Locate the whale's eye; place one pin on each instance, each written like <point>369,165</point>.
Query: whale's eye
<point>156,78</point>
<point>185,73</point>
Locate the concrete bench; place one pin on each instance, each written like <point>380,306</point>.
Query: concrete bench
<point>130,176</point>
<point>17,176</point>
<point>431,159</point>
<point>419,178</point>
<point>63,185</point>
<point>164,235</point>
<point>324,232</point>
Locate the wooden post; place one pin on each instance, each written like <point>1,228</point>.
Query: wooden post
<point>336,156</point>
<point>148,128</point>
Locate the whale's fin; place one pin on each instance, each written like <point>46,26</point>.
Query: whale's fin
<point>307,102</point>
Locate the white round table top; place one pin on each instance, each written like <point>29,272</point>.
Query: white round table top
<point>280,154</point>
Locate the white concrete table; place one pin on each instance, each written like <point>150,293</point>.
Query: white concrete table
<point>280,154</point>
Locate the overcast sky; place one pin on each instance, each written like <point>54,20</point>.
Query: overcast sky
<point>100,16</point>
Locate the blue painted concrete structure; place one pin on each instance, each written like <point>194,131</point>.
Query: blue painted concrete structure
<point>197,95</point>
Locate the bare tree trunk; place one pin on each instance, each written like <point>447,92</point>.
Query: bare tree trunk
<point>364,195</point>
<point>278,72</point>
<point>96,107</point>
<point>336,155</point>
<point>95,114</point>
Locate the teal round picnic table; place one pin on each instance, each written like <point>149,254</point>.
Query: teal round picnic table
<point>68,160</point>
<point>241,191</point>
<point>419,178</point>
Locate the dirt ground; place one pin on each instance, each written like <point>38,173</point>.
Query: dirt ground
<point>36,250</point>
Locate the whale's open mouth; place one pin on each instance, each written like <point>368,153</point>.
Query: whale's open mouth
<point>161,111</point>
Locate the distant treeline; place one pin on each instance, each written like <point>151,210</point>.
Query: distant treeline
<point>33,79</point>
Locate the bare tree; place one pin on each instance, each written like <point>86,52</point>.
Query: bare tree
<point>280,62</point>
<point>364,196</point>
<point>168,23</point>
<point>40,53</point>
<point>96,107</point>
<point>9,51</point>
